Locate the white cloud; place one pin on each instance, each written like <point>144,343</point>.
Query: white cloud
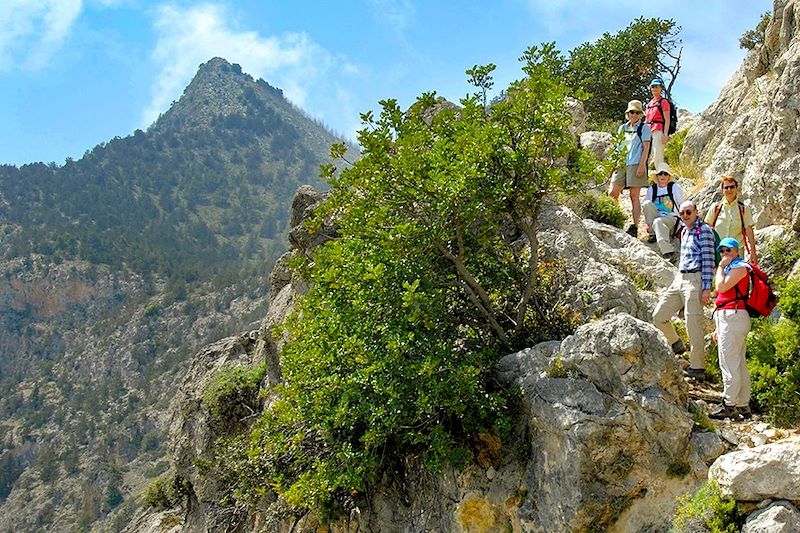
<point>395,14</point>
<point>188,37</point>
<point>32,31</point>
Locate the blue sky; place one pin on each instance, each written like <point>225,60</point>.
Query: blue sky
<point>74,73</point>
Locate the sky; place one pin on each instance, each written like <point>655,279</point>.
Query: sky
<point>76,73</point>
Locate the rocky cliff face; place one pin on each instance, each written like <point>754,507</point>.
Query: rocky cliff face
<point>752,130</point>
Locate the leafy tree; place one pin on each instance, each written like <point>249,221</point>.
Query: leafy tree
<point>436,272</point>
<point>618,68</point>
<point>752,38</point>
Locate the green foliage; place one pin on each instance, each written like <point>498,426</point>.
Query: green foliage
<point>790,300</point>
<point>390,354</point>
<point>673,149</point>
<point>605,209</point>
<point>701,419</point>
<point>773,351</point>
<point>678,469</point>
<point>618,68</point>
<point>166,492</point>
<point>752,38</point>
<point>783,253</point>
<point>233,393</point>
<point>708,508</point>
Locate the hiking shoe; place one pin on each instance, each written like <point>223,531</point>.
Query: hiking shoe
<point>698,374</point>
<point>669,256</point>
<point>723,411</point>
<point>651,238</point>
<point>678,347</point>
<point>744,412</point>
<point>633,230</point>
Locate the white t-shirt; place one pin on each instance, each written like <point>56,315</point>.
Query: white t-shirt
<point>662,201</point>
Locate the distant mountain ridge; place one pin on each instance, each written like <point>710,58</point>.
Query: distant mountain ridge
<point>116,267</point>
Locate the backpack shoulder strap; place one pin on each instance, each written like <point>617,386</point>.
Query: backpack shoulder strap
<point>669,192</point>
<point>717,208</point>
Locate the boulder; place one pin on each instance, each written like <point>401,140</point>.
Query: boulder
<point>599,143</point>
<point>780,517</point>
<point>768,471</point>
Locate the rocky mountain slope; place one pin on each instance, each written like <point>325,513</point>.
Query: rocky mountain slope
<point>115,269</point>
<point>607,436</point>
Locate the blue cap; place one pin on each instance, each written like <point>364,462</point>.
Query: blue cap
<point>656,81</point>
<point>730,242</point>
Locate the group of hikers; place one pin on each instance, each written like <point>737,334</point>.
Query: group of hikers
<point>702,262</point>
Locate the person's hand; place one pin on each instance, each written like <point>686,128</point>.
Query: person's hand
<point>705,296</point>
<point>664,138</point>
<point>640,170</point>
<point>725,260</point>
<point>714,337</point>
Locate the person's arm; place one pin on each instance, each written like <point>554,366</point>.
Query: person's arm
<point>723,282</point>
<point>642,168</point>
<point>751,243</point>
<point>665,135</point>
<point>677,194</point>
<point>706,239</point>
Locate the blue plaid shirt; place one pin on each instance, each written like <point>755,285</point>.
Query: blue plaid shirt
<point>697,251</point>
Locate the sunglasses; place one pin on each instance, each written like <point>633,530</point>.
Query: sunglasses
<point>635,112</point>
<point>728,187</point>
<point>663,174</point>
<point>725,249</point>
<point>687,212</point>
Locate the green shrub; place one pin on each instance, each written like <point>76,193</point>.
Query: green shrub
<point>166,492</point>
<point>774,363</point>
<point>755,37</point>
<point>790,300</point>
<point>708,508</point>
<point>600,208</point>
<point>233,393</point>
<point>673,149</point>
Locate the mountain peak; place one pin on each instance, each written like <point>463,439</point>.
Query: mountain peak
<point>219,88</point>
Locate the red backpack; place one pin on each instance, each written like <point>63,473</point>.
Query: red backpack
<point>759,300</point>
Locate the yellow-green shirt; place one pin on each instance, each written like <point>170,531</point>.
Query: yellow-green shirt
<point>729,222</point>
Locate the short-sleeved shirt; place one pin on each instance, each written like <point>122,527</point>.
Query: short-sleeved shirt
<point>632,142</point>
<point>662,201</point>
<point>729,222</point>
<point>653,117</point>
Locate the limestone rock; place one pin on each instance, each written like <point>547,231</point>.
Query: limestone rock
<point>751,131</point>
<point>579,116</point>
<point>780,517</point>
<point>769,471</point>
<point>599,143</point>
<point>606,413</point>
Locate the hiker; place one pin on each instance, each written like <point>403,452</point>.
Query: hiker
<point>633,176</point>
<point>657,117</point>
<point>690,290</point>
<point>731,217</point>
<point>660,208</point>
<point>732,326</point>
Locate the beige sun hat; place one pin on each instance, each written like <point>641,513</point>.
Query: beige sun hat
<point>661,167</point>
<point>635,105</point>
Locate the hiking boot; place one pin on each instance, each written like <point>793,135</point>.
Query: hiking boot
<point>633,230</point>
<point>651,238</point>
<point>669,256</point>
<point>723,411</point>
<point>698,374</point>
<point>678,347</point>
<point>744,412</point>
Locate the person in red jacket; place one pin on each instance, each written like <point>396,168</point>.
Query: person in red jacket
<point>733,324</point>
<point>657,117</point>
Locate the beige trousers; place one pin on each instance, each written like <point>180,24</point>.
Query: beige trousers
<point>683,293</point>
<point>733,325</point>
<point>663,226</point>
<point>658,146</point>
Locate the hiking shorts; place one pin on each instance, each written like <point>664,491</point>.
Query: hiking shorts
<point>628,178</point>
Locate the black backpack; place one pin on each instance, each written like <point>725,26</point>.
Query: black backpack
<point>653,194</point>
<point>673,115</point>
